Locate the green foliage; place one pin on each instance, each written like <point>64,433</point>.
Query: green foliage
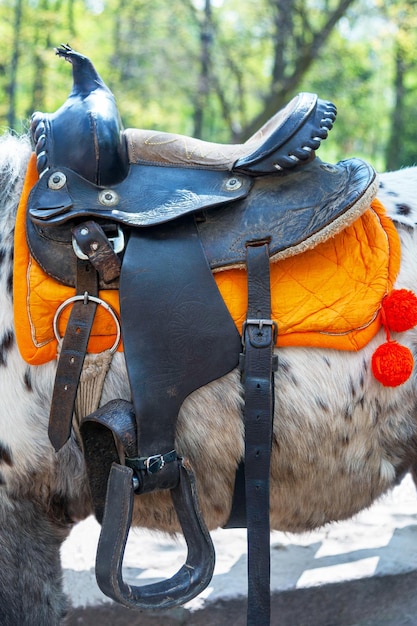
<point>355,75</point>
<point>219,68</point>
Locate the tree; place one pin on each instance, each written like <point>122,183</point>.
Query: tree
<point>298,36</point>
<point>219,70</point>
<point>14,63</point>
<point>403,128</point>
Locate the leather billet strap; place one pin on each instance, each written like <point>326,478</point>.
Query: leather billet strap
<point>71,359</point>
<point>259,339</point>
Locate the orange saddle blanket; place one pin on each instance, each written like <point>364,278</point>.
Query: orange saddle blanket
<point>329,296</point>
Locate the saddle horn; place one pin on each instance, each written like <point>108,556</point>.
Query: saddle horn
<point>90,112</point>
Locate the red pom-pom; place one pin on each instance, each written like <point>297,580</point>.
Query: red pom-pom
<point>400,308</point>
<point>392,364</point>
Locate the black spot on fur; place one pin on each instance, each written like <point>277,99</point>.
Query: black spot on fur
<point>348,414</point>
<point>352,388</point>
<point>285,369</point>
<point>5,345</point>
<point>327,361</point>
<point>294,380</point>
<point>27,379</point>
<point>403,209</point>
<point>9,285</point>
<point>394,194</point>
<point>283,365</point>
<point>5,454</point>
<point>376,411</point>
<point>322,404</point>
<point>381,186</point>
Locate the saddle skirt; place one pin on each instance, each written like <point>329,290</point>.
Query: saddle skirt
<point>329,296</point>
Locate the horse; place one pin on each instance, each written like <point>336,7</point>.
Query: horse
<point>340,438</point>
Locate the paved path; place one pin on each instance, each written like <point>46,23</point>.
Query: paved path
<point>357,573</point>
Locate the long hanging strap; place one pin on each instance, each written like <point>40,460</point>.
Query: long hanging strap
<point>73,351</point>
<point>259,339</point>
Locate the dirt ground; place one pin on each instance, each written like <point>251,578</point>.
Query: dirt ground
<point>377,601</point>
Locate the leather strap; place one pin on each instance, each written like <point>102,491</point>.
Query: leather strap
<point>71,360</point>
<point>94,244</point>
<point>177,332</point>
<point>109,436</point>
<point>259,340</point>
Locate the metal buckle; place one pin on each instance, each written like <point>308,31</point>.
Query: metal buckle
<point>260,323</point>
<point>117,242</point>
<point>154,463</point>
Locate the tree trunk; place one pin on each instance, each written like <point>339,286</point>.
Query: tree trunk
<point>14,62</point>
<point>206,39</point>
<point>286,78</point>
<point>394,148</point>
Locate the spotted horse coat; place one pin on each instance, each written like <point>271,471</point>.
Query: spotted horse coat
<point>340,438</point>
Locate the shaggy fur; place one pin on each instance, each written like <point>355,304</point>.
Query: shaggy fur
<point>340,438</point>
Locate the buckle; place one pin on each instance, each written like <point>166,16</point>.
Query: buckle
<point>154,463</point>
<point>260,323</point>
<point>117,243</point>
<point>151,464</point>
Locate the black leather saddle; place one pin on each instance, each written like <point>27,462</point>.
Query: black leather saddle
<point>271,187</point>
<point>153,214</point>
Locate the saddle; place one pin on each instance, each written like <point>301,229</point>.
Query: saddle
<point>154,215</point>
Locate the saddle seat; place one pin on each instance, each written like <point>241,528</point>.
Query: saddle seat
<point>290,137</point>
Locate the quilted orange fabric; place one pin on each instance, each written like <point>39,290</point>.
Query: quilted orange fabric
<point>329,297</point>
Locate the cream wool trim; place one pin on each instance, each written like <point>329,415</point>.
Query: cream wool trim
<point>91,383</point>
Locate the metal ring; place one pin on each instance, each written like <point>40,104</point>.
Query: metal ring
<point>85,298</point>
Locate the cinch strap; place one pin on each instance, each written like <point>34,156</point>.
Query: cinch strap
<point>258,340</point>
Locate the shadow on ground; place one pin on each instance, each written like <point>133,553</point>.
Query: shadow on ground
<point>377,601</point>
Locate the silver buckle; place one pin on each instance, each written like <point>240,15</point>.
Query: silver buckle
<point>157,460</point>
<point>260,323</point>
<point>117,242</point>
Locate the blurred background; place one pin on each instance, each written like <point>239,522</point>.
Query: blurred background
<point>218,69</point>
